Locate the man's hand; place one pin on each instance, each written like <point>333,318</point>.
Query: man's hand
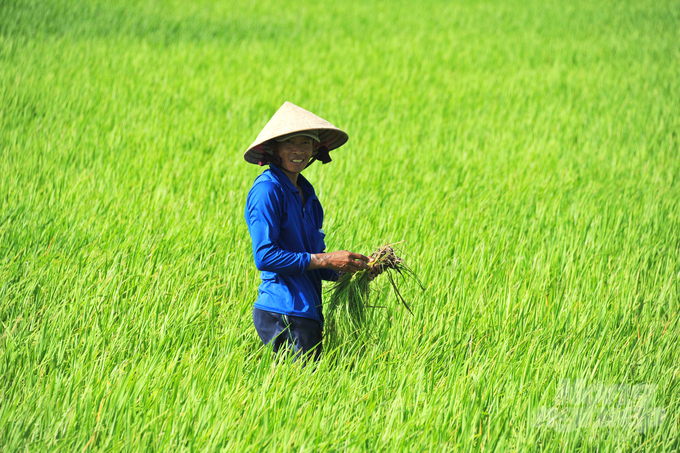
<point>375,271</point>
<point>341,261</point>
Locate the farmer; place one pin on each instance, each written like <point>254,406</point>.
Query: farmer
<point>285,221</point>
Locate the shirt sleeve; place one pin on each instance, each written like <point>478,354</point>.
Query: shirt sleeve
<point>263,216</point>
<point>329,275</point>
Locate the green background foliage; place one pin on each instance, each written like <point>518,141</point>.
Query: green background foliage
<point>526,151</point>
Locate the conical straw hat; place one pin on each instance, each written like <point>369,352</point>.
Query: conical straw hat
<point>288,119</point>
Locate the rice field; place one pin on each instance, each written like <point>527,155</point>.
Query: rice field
<point>526,152</point>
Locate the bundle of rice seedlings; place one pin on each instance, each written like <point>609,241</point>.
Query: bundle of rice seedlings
<point>348,312</point>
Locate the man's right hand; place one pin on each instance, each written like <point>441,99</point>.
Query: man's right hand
<point>341,261</point>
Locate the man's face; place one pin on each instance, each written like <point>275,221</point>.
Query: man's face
<point>295,153</point>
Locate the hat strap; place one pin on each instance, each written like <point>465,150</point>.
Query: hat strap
<point>322,155</point>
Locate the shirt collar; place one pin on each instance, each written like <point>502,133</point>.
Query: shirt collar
<point>282,178</point>
<point>287,183</point>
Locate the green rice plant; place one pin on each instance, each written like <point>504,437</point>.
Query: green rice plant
<point>349,312</point>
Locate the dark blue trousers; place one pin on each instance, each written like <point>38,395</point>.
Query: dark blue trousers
<point>296,334</point>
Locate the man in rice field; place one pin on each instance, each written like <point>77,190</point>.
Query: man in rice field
<point>285,221</point>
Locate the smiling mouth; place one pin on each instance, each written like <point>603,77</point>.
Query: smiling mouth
<point>297,161</point>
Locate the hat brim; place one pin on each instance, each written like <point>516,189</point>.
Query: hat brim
<point>332,139</point>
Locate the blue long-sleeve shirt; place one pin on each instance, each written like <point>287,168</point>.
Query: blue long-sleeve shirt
<point>284,235</point>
